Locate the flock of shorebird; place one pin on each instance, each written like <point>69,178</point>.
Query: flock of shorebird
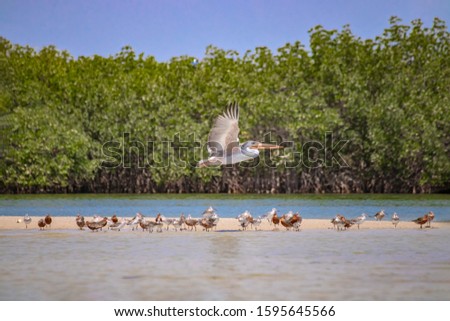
<point>208,221</point>
<point>210,218</point>
<point>340,222</point>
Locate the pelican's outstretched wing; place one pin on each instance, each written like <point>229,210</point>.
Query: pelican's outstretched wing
<point>223,137</point>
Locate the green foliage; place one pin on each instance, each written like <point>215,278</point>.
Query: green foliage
<point>388,96</point>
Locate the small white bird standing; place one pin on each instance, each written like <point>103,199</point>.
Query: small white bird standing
<point>359,220</point>
<point>26,220</point>
<point>395,219</point>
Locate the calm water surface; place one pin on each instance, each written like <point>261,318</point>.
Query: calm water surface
<point>265,265</point>
<point>310,206</point>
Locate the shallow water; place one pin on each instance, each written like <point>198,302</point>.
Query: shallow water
<point>265,265</point>
<point>310,206</point>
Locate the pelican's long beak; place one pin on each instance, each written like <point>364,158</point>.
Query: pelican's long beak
<point>266,146</point>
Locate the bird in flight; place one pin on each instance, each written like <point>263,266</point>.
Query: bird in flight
<point>223,141</point>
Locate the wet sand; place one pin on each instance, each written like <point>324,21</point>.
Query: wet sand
<point>225,224</point>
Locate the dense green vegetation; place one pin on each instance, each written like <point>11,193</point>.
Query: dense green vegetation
<point>66,121</point>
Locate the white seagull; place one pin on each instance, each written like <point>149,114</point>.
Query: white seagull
<point>26,220</point>
<point>359,220</point>
<point>223,141</point>
<point>395,219</point>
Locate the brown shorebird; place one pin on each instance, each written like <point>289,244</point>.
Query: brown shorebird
<point>114,219</point>
<point>41,224</point>
<point>191,222</point>
<point>158,223</point>
<point>144,225</point>
<point>95,226</point>
<point>379,215</point>
<point>291,220</point>
<point>421,220</point>
<point>206,224</point>
<point>209,219</point>
<point>395,219</point>
<point>341,222</point>
<point>285,220</point>
<point>48,220</point>
<point>275,220</point>
<point>80,221</point>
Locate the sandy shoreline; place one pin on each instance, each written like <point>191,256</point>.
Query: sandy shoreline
<point>225,224</point>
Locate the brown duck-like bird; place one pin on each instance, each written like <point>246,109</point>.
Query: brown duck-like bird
<point>145,225</point>
<point>379,215</point>
<point>80,221</point>
<point>41,224</point>
<point>191,222</point>
<point>48,220</point>
<point>291,220</point>
<point>114,219</point>
<point>421,220</point>
<point>275,219</point>
<point>285,220</point>
<point>95,226</point>
<point>206,224</point>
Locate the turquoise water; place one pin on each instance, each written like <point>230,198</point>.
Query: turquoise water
<point>310,206</point>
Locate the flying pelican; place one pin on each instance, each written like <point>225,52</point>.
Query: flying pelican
<point>26,220</point>
<point>223,141</point>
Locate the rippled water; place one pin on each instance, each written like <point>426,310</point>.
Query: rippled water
<point>310,206</point>
<point>265,265</point>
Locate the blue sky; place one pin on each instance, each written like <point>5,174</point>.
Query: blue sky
<point>170,28</point>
